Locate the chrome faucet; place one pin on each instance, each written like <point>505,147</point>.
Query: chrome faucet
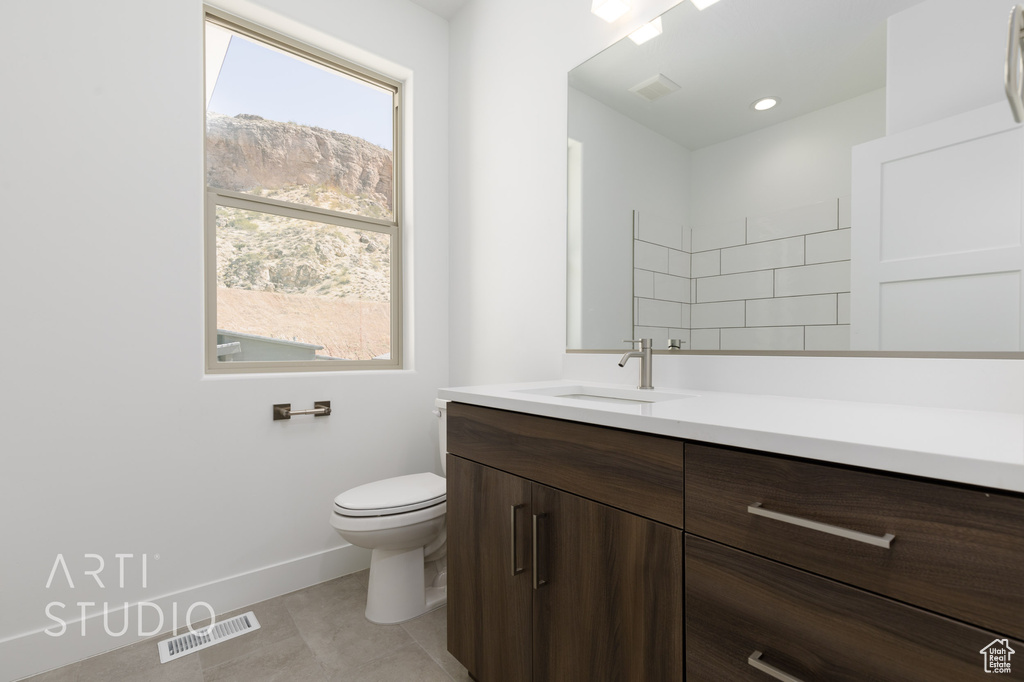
<point>644,353</point>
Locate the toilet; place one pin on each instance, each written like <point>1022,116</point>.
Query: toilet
<point>402,520</point>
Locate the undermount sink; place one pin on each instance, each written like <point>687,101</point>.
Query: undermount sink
<point>606,394</point>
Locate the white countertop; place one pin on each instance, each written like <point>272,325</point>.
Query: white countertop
<point>980,448</point>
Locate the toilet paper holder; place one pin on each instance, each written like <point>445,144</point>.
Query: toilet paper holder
<point>321,408</point>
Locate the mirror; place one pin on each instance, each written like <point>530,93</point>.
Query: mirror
<point>876,207</point>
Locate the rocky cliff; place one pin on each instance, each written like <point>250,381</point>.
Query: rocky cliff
<point>248,153</point>
<point>303,165</point>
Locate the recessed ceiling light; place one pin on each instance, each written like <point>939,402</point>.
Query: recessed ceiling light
<point>646,32</point>
<point>703,4</point>
<point>764,104</point>
<point>610,10</point>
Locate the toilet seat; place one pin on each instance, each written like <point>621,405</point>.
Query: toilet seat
<point>398,495</point>
<point>404,522</point>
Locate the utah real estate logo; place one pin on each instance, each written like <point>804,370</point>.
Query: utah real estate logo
<point>997,656</point>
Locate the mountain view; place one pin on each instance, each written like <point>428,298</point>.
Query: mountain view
<point>292,279</point>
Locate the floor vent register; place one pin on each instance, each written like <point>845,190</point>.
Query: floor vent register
<point>204,638</point>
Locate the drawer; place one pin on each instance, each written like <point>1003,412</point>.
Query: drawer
<point>635,472</point>
<point>812,628</point>
<point>955,550</point>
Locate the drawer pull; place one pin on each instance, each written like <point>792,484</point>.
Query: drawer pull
<point>876,540</point>
<point>537,580</point>
<point>754,660</point>
<point>516,570</point>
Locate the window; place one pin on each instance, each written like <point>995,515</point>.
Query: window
<point>303,208</point>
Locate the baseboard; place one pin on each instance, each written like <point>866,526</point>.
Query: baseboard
<point>35,652</point>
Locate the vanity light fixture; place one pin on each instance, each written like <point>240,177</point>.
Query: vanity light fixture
<point>703,4</point>
<point>610,10</point>
<point>646,32</point>
<point>764,104</point>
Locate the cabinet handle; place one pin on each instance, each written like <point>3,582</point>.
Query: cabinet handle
<point>876,540</point>
<point>754,660</point>
<point>537,581</point>
<point>515,568</point>
<point>1013,64</point>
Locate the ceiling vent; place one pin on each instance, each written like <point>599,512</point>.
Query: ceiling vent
<point>654,87</point>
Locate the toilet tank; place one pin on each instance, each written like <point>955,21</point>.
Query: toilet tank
<point>441,412</point>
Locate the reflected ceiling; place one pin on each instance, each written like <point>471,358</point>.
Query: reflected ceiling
<point>444,8</point>
<point>837,56</point>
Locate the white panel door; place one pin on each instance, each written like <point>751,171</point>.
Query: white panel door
<point>937,237</point>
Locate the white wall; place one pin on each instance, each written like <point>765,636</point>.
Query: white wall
<point>802,161</point>
<point>113,441</point>
<point>626,167</point>
<point>945,57</point>
<point>508,158</point>
<point>509,66</point>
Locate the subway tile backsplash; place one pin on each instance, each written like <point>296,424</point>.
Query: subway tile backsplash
<point>648,256</point>
<point>710,315</point>
<point>811,279</point>
<point>679,263</point>
<point>826,247</point>
<point>706,263</point>
<point>643,283</point>
<point>739,287</point>
<point>705,339</point>
<point>832,337</point>
<point>763,338</point>
<point>778,253</point>
<point>779,281</point>
<point>793,310</point>
<point>655,313</point>
<point>671,288</point>
<point>844,308</point>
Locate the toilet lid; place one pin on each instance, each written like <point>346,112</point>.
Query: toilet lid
<point>392,496</point>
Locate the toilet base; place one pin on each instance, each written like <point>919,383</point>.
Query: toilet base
<point>402,587</point>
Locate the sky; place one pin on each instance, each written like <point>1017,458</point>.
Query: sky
<point>259,80</point>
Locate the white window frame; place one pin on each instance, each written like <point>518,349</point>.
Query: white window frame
<point>220,197</point>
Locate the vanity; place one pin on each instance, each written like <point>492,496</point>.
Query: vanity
<point>595,538</point>
<point>597,532</point>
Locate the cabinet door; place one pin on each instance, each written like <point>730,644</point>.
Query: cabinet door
<point>608,605</point>
<point>489,598</point>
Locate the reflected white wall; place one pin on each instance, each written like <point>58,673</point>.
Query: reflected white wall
<point>626,167</point>
<point>944,57</point>
<point>799,162</point>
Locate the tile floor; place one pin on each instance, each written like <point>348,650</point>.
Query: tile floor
<point>318,634</point>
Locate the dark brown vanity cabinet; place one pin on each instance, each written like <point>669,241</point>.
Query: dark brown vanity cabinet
<point>562,583</point>
<point>568,561</point>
